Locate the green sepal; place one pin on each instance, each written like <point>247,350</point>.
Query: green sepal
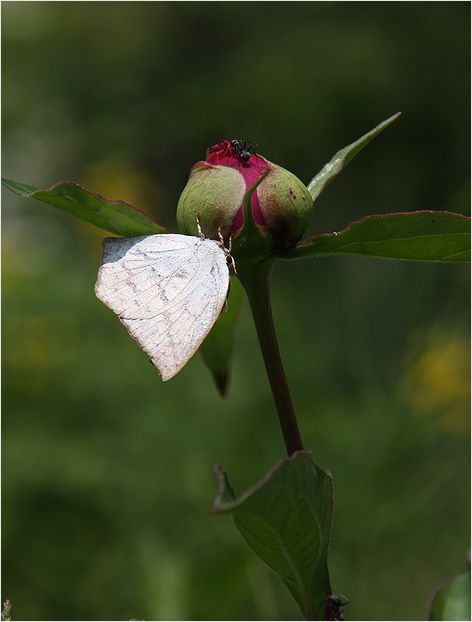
<point>251,244</point>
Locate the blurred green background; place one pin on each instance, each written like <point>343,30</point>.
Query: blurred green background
<point>107,471</point>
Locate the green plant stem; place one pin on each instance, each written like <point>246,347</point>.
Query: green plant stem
<point>255,279</point>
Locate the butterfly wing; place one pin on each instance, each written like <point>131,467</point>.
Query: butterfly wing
<point>168,290</point>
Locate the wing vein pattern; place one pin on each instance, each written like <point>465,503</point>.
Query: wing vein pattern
<point>167,289</point>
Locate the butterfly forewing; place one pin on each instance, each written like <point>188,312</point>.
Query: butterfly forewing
<point>168,290</point>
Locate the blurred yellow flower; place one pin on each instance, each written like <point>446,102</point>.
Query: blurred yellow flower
<point>117,179</point>
<point>436,380</point>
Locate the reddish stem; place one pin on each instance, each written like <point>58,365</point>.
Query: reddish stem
<point>255,279</point>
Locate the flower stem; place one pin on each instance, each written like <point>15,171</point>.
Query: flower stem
<point>255,279</point>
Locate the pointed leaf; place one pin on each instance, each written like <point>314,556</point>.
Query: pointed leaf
<point>23,190</point>
<point>217,348</point>
<point>452,601</point>
<point>343,156</point>
<point>416,236</point>
<point>286,520</point>
<point>117,217</point>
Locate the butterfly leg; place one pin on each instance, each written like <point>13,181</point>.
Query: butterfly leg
<point>229,249</point>
<point>221,238</point>
<point>229,257</point>
<point>232,264</point>
<point>199,227</point>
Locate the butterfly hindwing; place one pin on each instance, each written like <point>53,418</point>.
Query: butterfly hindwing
<point>167,289</point>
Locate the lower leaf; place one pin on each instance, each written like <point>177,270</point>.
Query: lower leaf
<point>286,520</point>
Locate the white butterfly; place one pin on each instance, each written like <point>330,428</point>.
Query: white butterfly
<point>167,289</point>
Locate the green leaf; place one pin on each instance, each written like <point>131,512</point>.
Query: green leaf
<point>343,156</point>
<point>117,217</point>
<point>217,348</point>
<point>286,520</point>
<point>23,190</point>
<point>417,236</point>
<point>452,601</point>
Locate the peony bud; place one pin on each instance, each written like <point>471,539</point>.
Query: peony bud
<point>281,204</point>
